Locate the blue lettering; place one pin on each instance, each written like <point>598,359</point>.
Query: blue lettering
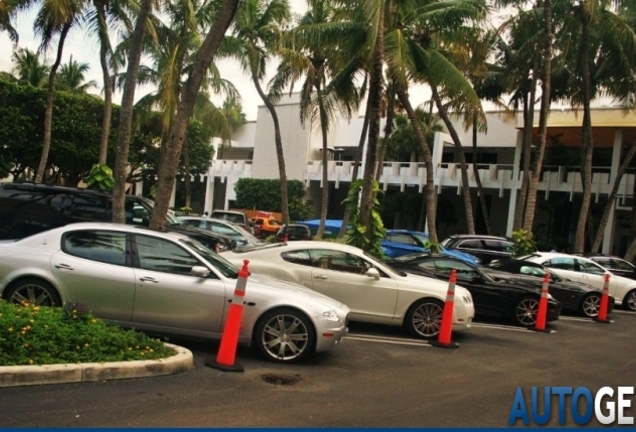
<point>562,392</point>
<point>587,394</point>
<point>519,409</point>
<point>541,420</point>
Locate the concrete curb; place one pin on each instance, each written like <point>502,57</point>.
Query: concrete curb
<point>12,376</point>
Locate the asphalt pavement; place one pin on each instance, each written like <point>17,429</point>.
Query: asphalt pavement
<point>378,377</point>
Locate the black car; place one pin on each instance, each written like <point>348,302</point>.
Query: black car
<point>580,298</point>
<point>293,232</point>
<point>486,248</point>
<point>29,208</point>
<point>492,297</point>
<point>615,265</point>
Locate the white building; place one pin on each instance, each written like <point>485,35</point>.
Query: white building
<point>252,154</point>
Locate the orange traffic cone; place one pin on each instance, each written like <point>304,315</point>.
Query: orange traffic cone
<point>444,337</point>
<point>225,359</point>
<point>542,314</point>
<point>602,313</point>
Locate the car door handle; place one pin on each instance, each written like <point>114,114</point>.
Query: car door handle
<point>148,279</point>
<point>320,277</point>
<point>63,267</point>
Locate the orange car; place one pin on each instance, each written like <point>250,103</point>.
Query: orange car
<point>264,227</point>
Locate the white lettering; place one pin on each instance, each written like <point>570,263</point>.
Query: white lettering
<point>623,403</point>
<point>605,391</point>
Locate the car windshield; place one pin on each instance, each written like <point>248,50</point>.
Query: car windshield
<point>226,268</point>
<point>238,218</point>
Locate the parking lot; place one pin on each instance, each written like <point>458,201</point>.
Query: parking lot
<point>377,377</point>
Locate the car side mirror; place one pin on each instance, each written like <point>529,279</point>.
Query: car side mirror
<point>200,271</point>
<point>374,273</point>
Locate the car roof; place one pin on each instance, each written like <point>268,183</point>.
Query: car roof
<point>110,226</point>
<point>301,244</point>
<point>477,236</point>
<point>233,212</point>
<point>405,231</point>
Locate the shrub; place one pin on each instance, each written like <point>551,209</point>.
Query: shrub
<point>524,243</point>
<point>46,335</point>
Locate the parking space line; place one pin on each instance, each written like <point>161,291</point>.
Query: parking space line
<point>387,340</point>
<point>503,327</point>
<point>588,320</point>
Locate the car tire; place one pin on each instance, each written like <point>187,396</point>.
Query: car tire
<point>629,301</point>
<point>424,318</point>
<point>296,344</point>
<point>590,305</point>
<point>525,311</point>
<point>33,291</point>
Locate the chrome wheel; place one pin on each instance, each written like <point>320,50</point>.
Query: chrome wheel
<point>591,305</point>
<point>33,292</point>
<point>526,312</point>
<point>630,300</point>
<point>285,336</point>
<point>425,318</point>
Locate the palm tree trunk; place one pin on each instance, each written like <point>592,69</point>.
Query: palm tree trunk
<point>126,111</point>
<point>108,84</point>
<point>324,204</point>
<point>356,168</point>
<point>588,144</point>
<point>375,92</point>
<point>202,60</point>
<point>480,189</point>
<point>528,121</point>
<point>48,111</point>
<point>459,150</point>
<point>188,180</point>
<point>278,141</point>
<point>388,128</point>
<point>429,191</point>
<point>531,202</point>
<point>612,198</point>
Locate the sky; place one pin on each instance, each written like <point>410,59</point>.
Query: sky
<point>86,50</point>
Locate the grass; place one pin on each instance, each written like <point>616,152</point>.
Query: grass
<point>33,335</point>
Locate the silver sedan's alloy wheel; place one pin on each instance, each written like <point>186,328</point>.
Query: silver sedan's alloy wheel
<point>591,305</point>
<point>33,292</point>
<point>426,319</point>
<point>285,336</point>
<point>630,300</point>
<point>526,312</point>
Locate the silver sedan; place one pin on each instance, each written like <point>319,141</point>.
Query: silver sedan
<point>168,284</point>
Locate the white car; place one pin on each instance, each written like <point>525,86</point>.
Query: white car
<point>374,291</point>
<point>585,270</point>
<point>165,283</point>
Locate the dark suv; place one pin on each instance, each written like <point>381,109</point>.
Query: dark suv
<point>486,248</point>
<point>29,208</point>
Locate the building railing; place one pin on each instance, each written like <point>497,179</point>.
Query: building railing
<point>413,174</point>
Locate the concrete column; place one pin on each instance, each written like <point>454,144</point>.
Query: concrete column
<point>608,234</point>
<point>208,203</point>
<point>174,193</point>
<point>516,184</point>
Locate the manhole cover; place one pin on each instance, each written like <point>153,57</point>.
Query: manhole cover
<point>286,380</point>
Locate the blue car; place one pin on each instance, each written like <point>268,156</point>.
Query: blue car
<point>400,242</point>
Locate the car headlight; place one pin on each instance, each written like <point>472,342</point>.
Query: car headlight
<point>331,316</point>
<point>550,297</point>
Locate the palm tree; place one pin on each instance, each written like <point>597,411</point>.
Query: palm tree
<point>313,52</point>
<point>200,65</point>
<point>55,18</point>
<point>7,13</point>
<point>28,68</point>
<point>597,40</point>
<point>257,30</point>
<point>72,77</point>
<point>126,110</point>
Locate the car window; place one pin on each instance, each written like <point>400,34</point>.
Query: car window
<point>620,265</point>
<point>470,244</point>
<point>193,223</point>
<point>400,238</point>
<point>591,268</point>
<point>532,271</point>
<point>222,229</point>
<point>273,222</point>
<point>298,230</point>
<point>89,207</point>
<point>164,256</point>
<point>499,246</point>
<point>562,263</point>
<point>103,246</point>
<point>339,261</point>
<point>444,266</point>
<point>232,217</point>
<point>226,268</point>
<point>298,257</point>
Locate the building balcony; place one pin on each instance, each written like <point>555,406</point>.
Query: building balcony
<point>500,177</point>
